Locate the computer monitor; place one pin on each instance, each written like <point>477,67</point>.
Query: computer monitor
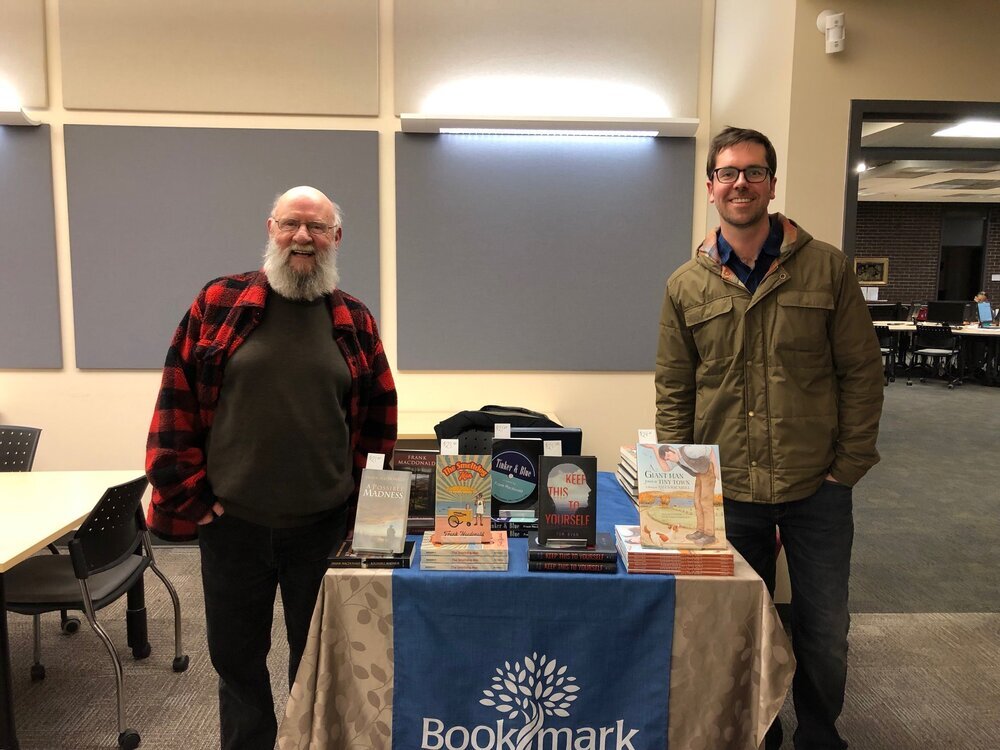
<point>885,310</point>
<point>950,312</point>
<point>571,437</point>
<point>985,313</point>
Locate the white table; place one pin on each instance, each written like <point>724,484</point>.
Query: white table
<point>37,508</point>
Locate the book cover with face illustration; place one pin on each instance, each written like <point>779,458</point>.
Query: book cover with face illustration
<point>567,499</point>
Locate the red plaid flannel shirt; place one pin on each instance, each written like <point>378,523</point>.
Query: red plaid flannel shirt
<point>221,318</point>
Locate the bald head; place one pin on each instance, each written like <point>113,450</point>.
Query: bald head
<point>310,198</point>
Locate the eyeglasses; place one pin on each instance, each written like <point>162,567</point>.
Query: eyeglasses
<point>728,175</point>
<point>315,228</point>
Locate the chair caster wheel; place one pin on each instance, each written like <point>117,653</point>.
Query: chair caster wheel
<point>141,652</point>
<point>181,663</point>
<point>129,739</point>
<point>70,625</point>
<point>37,672</point>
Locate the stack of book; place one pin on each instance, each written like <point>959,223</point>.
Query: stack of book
<point>601,558</point>
<point>691,562</point>
<point>345,556</point>
<point>627,473</point>
<point>464,556</point>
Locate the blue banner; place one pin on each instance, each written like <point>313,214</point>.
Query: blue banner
<point>530,661</point>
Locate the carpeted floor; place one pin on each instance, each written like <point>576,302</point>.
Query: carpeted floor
<point>925,634</point>
<point>926,517</point>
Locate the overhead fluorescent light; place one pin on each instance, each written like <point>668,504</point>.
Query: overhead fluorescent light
<point>608,126</point>
<point>972,129</point>
<point>15,117</point>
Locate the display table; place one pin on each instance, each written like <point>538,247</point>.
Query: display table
<point>730,669</point>
<point>38,507</point>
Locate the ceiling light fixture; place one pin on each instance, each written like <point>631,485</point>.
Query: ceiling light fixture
<point>972,129</point>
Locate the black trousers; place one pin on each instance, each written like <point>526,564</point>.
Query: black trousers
<point>817,534</point>
<point>242,565</point>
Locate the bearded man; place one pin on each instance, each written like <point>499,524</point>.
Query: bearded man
<point>275,389</point>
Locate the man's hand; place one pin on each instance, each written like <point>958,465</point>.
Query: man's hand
<point>829,478</point>
<point>217,510</point>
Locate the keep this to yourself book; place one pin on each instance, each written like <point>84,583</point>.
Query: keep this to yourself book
<point>462,499</point>
<point>680,496</point>
<point>383,502</point>
<point>567,504</point>
<point>603,551</point>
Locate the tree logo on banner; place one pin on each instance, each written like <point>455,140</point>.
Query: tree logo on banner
<point>531,692</point>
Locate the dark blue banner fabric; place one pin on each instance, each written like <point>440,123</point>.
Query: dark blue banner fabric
<point>523,661</point>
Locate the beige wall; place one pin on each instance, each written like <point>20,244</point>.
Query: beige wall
<point>99,419</point>
<point>752,95</point>
<point>895,49</point>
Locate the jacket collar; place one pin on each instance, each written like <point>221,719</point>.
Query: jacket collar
<point>257,291</point>
<point>794,238</point>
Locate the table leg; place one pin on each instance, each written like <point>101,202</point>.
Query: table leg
<point>8,735</point>
<point>135,620</point>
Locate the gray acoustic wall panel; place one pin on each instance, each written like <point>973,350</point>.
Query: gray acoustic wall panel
<point>29,285</point>
<point>154,213</point>
<point>537,253</point>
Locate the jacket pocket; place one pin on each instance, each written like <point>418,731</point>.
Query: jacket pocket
<point>801,320</point>
<point>713,328</point>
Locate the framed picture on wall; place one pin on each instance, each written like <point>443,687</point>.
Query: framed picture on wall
<point>872,271</point>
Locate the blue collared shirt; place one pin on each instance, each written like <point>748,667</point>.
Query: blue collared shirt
<point>751,277</point>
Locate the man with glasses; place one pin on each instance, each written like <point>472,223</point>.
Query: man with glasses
<point>766,348</point>
<point>275,389</point>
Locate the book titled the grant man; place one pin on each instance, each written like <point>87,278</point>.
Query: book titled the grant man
<point>383,501</point>
<point>680,496</point>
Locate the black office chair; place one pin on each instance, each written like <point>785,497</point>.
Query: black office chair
<point>17,447</point>
<point>17,453</point>
<point>889,344</point>
<point>935,349</point>
<point>107,556</point>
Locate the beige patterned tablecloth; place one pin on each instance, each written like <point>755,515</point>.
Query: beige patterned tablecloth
<point>732,665</point>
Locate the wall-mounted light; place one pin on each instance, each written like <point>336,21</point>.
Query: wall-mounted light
<point>11,112</point>
<point>15,117</point>
<point>677,127</point>
<point>831,25</point>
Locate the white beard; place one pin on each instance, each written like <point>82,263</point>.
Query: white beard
<point>291,284</point>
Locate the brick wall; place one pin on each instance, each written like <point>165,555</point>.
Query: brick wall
<point>909,235</point>
<point>993,254</point>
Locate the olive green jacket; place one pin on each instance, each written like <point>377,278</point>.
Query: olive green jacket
<point>787,381</point>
